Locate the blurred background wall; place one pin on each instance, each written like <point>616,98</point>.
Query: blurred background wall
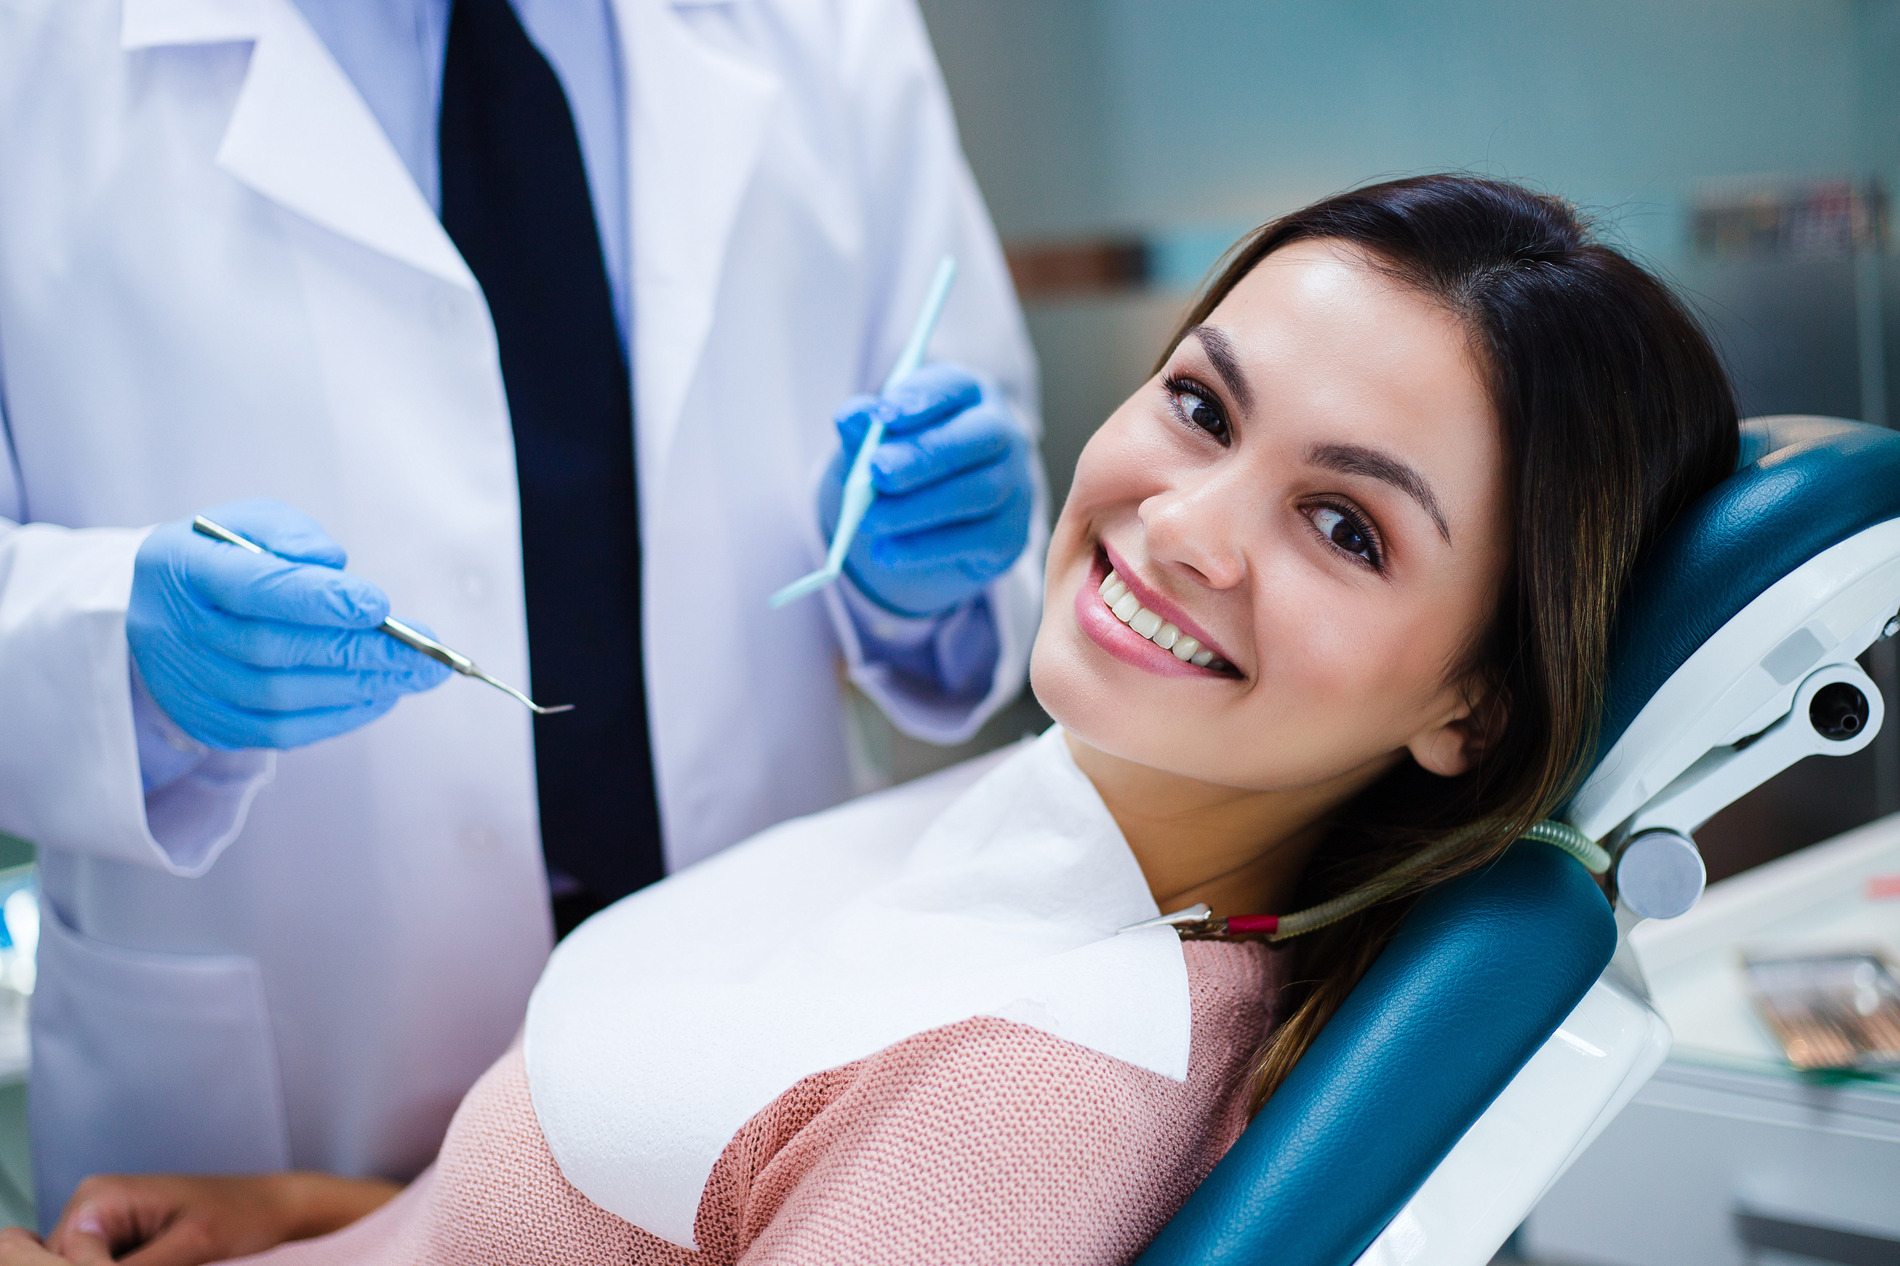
<point>1743,148</point>
<point>1187,122</point>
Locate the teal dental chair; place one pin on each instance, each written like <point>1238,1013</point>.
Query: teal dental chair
<point>1507,1023</point>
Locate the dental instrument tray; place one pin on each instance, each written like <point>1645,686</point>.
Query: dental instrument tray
<point>1837,1012</point>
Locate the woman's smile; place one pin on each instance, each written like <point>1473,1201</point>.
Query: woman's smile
<point>1135,624</point>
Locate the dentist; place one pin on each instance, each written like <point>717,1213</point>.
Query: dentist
<point>545,311</point>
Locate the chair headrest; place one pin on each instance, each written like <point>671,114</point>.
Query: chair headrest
<point>1804,484</point>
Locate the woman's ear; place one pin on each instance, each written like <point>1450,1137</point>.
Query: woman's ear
<point>1475,726</point>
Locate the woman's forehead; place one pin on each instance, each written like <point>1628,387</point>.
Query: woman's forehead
<point>1327,299</point>
<point>1316,330</point>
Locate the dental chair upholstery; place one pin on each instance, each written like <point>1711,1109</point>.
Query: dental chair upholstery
<point>1489,1044</point>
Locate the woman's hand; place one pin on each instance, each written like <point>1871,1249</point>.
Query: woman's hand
<point>20,1247</point>
<point>183,1220</point>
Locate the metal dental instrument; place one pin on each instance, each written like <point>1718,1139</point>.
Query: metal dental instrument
<point>392,626</point>
<point>858,492</point>
<point>1193,914</point>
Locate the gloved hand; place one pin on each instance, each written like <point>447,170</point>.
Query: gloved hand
<point>248,650</point>
<point>954,491</point>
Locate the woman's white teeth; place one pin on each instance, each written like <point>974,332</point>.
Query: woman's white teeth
<point>1128,609</point>
<point>1193,652</point>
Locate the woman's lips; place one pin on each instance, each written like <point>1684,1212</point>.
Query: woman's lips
<point>1155,602</point>
<point>1121,641</point>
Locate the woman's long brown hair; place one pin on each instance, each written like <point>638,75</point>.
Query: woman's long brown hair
<point>1616,413</point>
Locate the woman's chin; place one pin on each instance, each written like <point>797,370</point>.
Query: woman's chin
<point>1117,691</point>
<point>1068,691</point>
<point>1152,721</point>
<point>1073,681</point>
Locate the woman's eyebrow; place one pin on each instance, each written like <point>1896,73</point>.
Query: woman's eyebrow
<point>1351,459</point>
<point>1220,350</point>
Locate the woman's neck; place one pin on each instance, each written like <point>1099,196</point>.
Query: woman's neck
<point>1238,850</point>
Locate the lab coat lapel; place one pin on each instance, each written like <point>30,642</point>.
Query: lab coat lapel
<point>695,120</point>
<point>301,135</point>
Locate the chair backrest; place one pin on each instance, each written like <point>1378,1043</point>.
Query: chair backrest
<point>1486,967</point>
<point>1395,1078</point>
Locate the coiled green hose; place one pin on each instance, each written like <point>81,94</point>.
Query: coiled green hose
<point>1595,859</point>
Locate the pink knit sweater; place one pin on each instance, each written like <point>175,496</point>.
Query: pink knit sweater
<point>984,1141</point>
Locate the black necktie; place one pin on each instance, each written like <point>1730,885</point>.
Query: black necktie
<point>515,202</point>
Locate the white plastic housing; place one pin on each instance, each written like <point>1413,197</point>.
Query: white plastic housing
<point>1725,775</point>
<point>1825,612</point>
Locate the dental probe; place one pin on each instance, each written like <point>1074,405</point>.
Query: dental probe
<point>392,626</point>
<point>858,492</point>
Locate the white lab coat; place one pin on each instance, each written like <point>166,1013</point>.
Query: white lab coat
<point>218,280</point>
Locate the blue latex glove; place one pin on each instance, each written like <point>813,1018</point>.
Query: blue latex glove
<point>954,491</point>
<point>246,650</point>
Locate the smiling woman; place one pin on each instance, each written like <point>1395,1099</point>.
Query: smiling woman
<point>1394,470</point>
<point>1327,612</point>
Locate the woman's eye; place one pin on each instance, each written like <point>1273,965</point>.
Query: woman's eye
<point>1345,532</point>
<point>1201,411</point>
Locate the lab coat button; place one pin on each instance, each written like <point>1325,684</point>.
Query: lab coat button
<point>472,585</point>
<point>442,308</point>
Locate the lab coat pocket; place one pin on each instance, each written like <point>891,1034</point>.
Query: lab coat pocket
<point>148,1062</point>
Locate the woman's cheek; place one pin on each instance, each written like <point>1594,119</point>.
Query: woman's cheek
<point>1125,455</point>
<point>1321,645</point>
<point>1102,449</point>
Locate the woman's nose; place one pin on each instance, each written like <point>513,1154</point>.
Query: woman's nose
<point>1199,528</point>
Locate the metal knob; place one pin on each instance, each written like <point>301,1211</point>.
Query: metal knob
<point>1659,874</point>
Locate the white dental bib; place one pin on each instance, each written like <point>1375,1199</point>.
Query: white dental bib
<point>666,1022</point>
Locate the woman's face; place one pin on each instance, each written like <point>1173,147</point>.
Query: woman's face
<point>1313,490</point>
